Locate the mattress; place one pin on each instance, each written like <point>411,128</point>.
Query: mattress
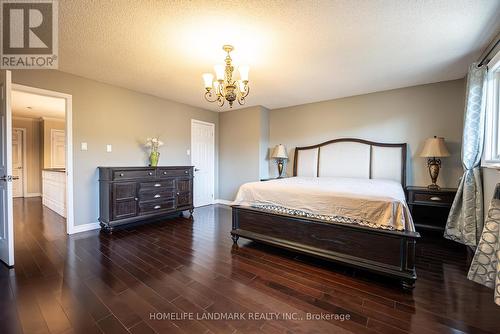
<point>367,202</point>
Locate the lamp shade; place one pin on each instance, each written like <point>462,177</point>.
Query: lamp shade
<point>207,79</point>
<point>434,148</point>
<point>244,69</point>
<point>279,152</point>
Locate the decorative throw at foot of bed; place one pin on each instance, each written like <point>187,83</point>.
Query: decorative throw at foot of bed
<point>485,266</point>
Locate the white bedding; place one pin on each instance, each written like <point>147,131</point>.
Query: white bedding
<point>368,202</point>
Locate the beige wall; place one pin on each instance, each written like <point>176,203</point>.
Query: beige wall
<point>32,165</point>
<point>105,114</point>
<point>403,115</point>
<point>46,126</point>
<point>243,147</point>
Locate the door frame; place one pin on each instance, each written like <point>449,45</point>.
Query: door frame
<point>25,172</point>
<point>70,219</point>
<point>194,121</point>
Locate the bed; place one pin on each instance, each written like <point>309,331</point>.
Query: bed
<point>345,203</point>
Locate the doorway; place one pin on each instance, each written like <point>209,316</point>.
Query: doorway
<point>45,121</point>
<point>7,89</point>
<point>203,160</point>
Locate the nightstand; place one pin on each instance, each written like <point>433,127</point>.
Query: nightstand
<point>430,207</point>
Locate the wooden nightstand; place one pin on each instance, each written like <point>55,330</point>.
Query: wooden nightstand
<point>430,207</point>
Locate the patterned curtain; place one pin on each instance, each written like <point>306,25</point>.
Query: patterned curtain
<point>465,221</point>
<point>485,266</point>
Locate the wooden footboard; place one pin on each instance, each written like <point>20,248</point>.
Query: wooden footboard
<point>391,253</point>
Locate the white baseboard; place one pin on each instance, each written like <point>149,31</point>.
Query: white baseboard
<point>32,195</point>
<point>84,228</point>
<point>223,202</point>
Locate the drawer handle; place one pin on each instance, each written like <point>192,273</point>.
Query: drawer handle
<point>150,173</point>
<point>435,198</point>
<point>157,184</point>
<point>157,207</point>
<point>164,173</point>
<point>157,196</point>
<point>186,172</point>
<point>178,194</point>
<point>136,199</point>
<point>121,174</point>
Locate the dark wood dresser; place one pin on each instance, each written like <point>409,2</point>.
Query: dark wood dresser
<point>430,207</point>
<point>132,194</point>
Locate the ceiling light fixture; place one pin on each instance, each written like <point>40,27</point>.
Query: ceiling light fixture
<point>224,87</point>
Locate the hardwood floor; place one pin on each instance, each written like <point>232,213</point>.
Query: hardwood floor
<point>93,283</point>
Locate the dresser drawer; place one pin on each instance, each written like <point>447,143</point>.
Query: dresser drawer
<point>165,173</point>
<point>151,195</point>
<point>445,199</point>
<point>158,185</point>
<point>152,207</point>
<point>133,174</point>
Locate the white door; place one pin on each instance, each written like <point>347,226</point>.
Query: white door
<point>57,148</point>
<point>203,160</point>
<point>6,221</point>
<point>17,163</point>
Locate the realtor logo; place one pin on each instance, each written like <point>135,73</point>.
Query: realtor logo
<point>29,34</point>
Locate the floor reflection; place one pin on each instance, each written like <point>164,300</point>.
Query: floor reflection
<point>93,282</point>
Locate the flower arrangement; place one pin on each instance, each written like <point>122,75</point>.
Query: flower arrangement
<point>154,143</point>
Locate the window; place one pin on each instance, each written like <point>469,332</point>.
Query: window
<point>491,157</point>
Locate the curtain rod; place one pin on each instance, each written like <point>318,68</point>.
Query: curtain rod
<point>481,63</point>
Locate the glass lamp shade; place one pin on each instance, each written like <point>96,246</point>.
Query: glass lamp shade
<point>434,147</point>
<point>241,86</point>
<point>207,79</point>
<point>219,72</point>
<point>244,69</point>
<point>216,86</point>
<point>279,152</point>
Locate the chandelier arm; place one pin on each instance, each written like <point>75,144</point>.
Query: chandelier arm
<point>220,101</point>
<point>241,100</point>
<point>210,98</point>
<point>246,91</point>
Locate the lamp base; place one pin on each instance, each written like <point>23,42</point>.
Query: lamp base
<point>433,186</point>
<point>434,165</point>
<point>280,168</point>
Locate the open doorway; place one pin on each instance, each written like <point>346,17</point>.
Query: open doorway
<point>42,153</point>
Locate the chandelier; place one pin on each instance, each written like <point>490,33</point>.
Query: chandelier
<point>225,87</point>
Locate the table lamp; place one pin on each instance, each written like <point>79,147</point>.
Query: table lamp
<point>434,148</point>
<point>279,153</point>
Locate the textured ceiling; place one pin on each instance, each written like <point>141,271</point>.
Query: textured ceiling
<point>298,51</point>
<point>36,106</point>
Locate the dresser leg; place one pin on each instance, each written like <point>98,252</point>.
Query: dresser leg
<point>191,213</point>
<point>106,228</point>
<point>235,238</point>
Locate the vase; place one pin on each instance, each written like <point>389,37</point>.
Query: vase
<point>153,158</point>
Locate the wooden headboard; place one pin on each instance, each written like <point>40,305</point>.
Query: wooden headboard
<point>351,157</point>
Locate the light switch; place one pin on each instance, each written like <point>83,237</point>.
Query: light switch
<point>84,146</point>
<point>109,148</point>
<point>188,152</point>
